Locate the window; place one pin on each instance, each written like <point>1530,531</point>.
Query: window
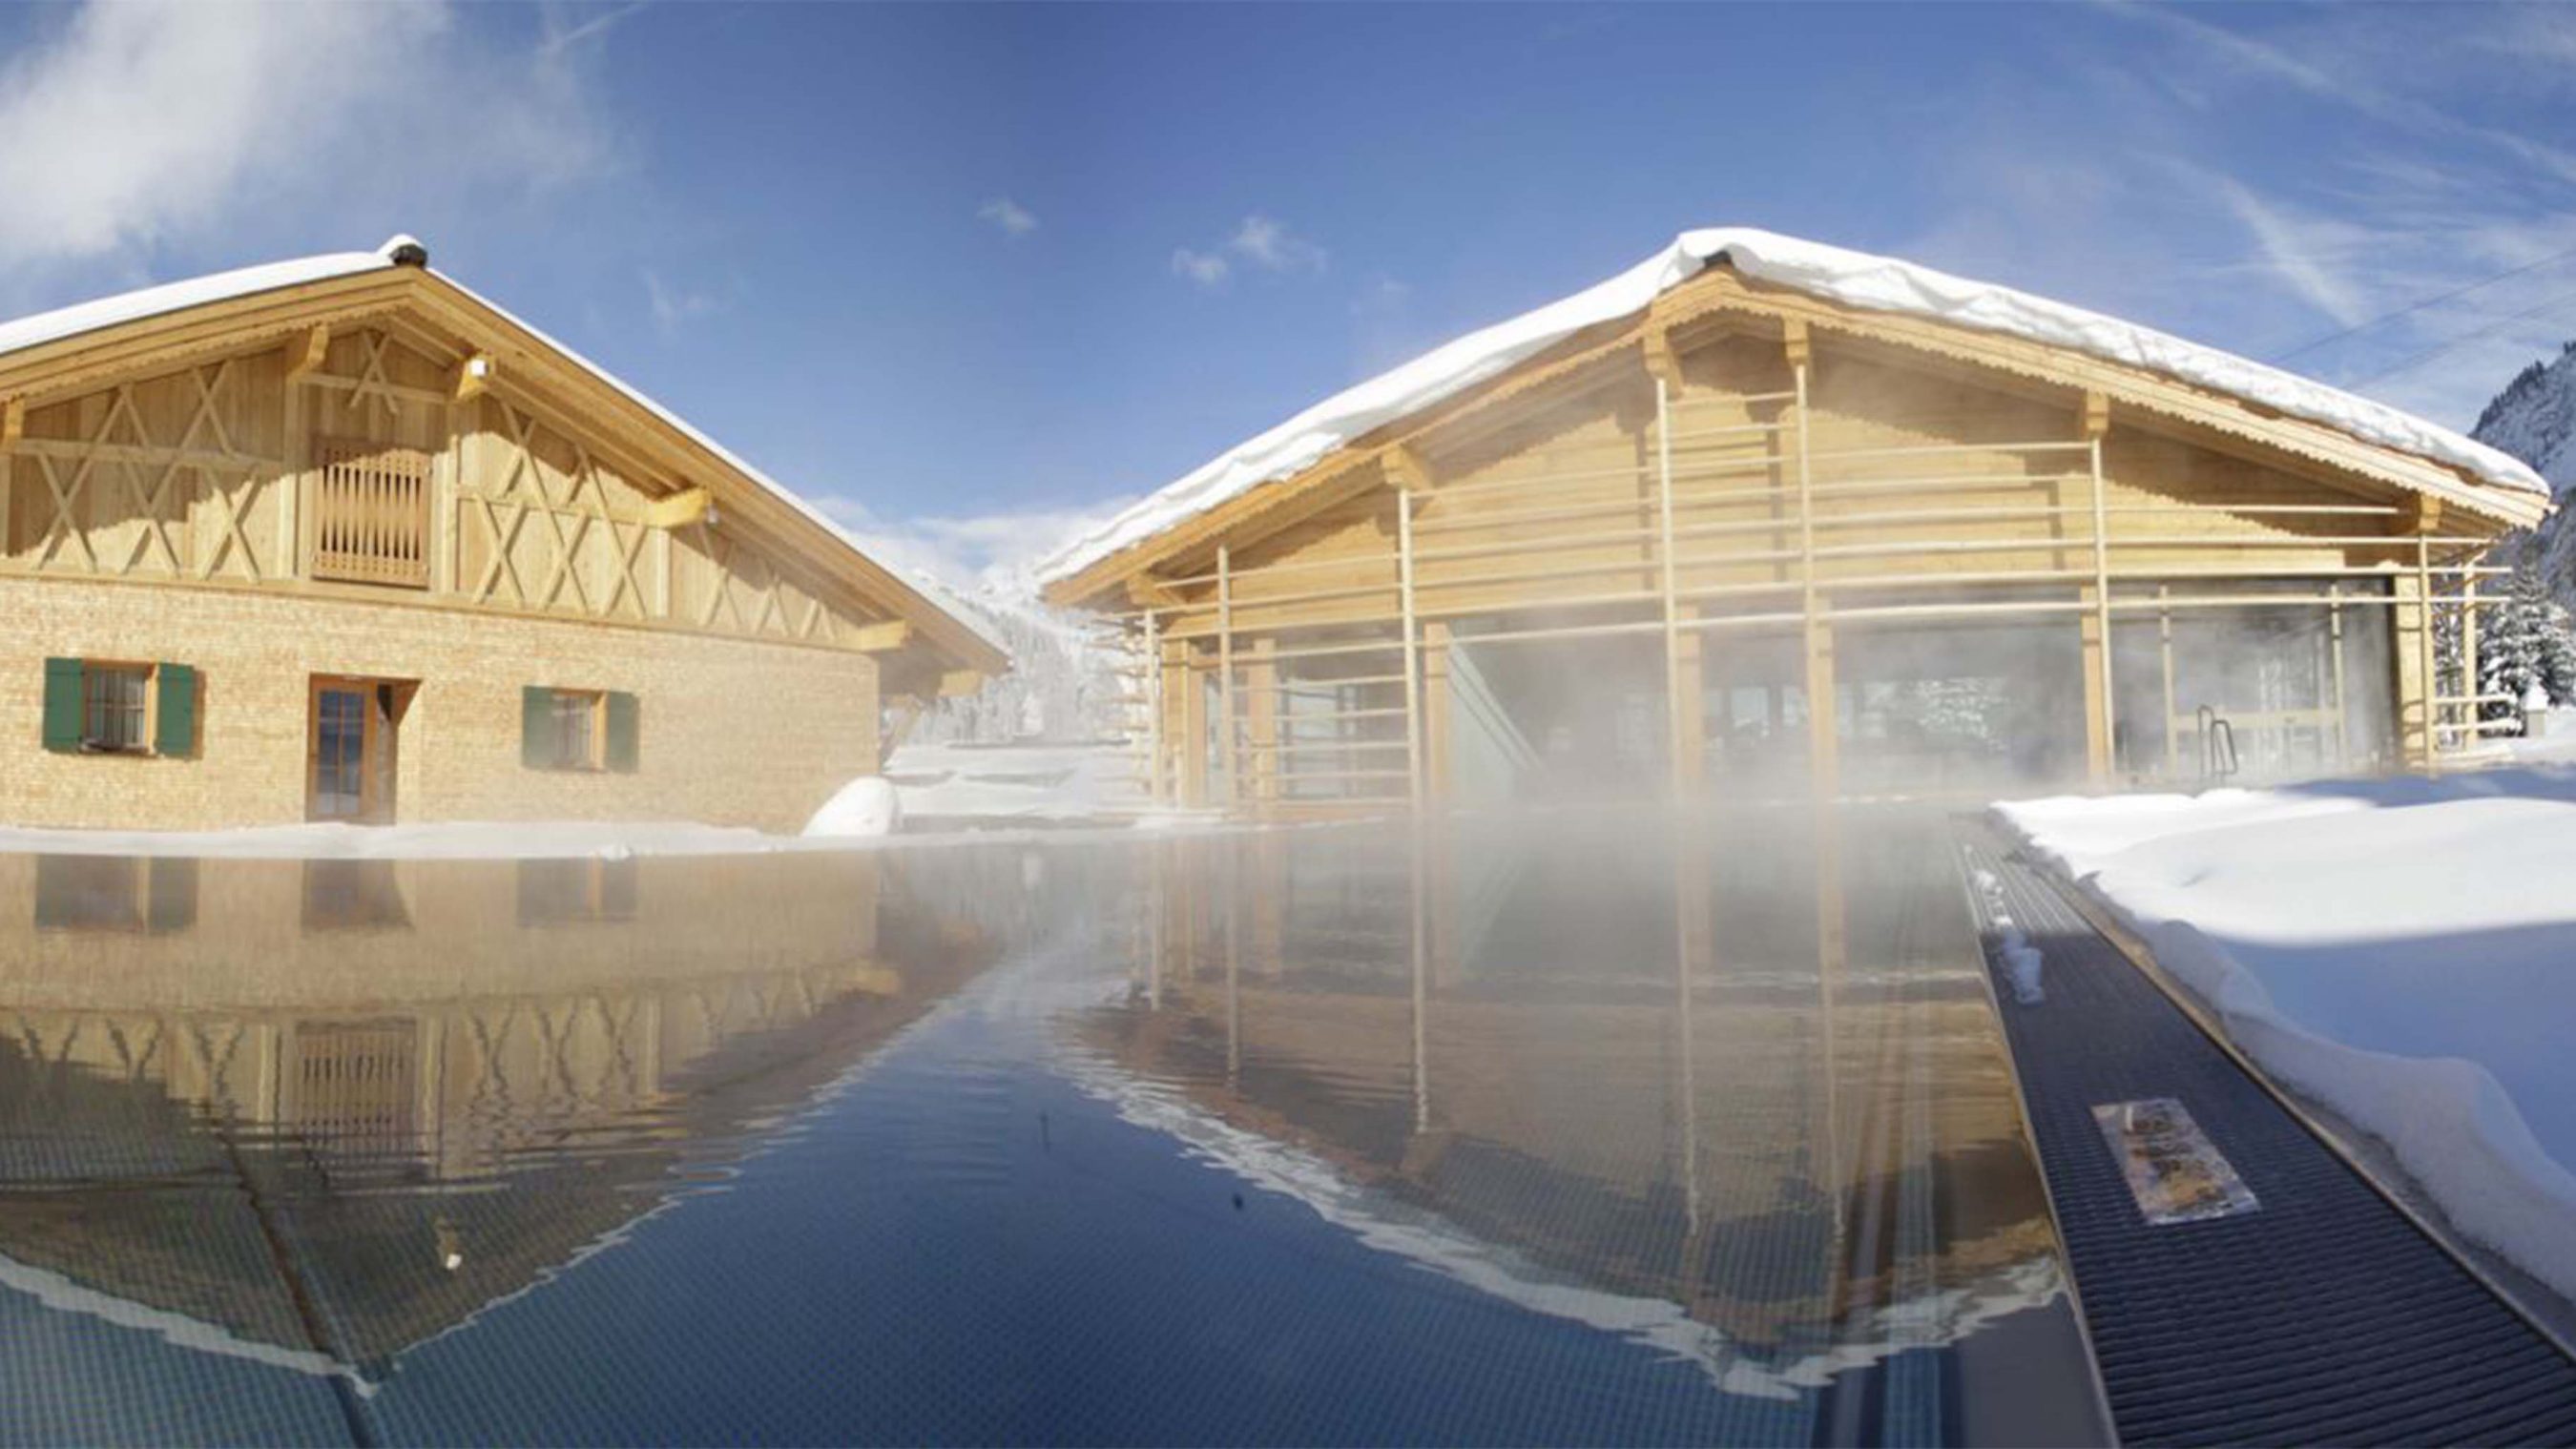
<point>575,891</point>
<point>115,893</point>
<point>112,707</point>
<point>103,707</point>
<point>577,729</point>
<point>574,728</point>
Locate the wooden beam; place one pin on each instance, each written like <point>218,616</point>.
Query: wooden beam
<point>1147,592</point>
<point>473,376</point>
<point>1662,362</point>
<point>2097,414</point>
<point>957,683</point>
<point>1793,339</point>
<point>678,510</point>
<point>1402,468</point>
<point>2428,514</point>
<point>883,637</point>
<point>304,354</point>
<point>13,421</point>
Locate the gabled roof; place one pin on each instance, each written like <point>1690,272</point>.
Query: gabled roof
<point>960,635</point>
<point>1853,279</point>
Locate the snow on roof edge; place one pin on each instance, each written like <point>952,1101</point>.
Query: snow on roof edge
<point>1858,279</point>
<point>64,322</point>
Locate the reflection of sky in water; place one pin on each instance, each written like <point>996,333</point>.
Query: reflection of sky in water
<point>1110,1141</point>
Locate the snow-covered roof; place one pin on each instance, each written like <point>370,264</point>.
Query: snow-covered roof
<point>54,326</point>
<point>1857,279</point>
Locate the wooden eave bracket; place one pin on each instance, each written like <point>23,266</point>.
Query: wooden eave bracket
<point>2428,514</point>
<point>883,637</point>
<point>678,510</point>
<point>1663,362</point>
<point>304,355</point>
<point>1402,467</point>
<point>13,421</point>
<point>2097,414</point>
<point>1793,341</point>
<point>1147,592</point>
<point>956,683</point>
<point>472,378</point>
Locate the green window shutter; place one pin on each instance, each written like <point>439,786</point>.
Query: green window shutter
<point>536,733</point>
<point>63,705</point>
<point>621,732</point>
<point>175,731</point>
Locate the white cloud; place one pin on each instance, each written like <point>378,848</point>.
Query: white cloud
<point>1261,243</point>
<point>1014,219</point>
<point>137,125</point>
<point>1208,269</point>
<point>673,306</point>
<point>973,552</point>
<point>1265,243</point>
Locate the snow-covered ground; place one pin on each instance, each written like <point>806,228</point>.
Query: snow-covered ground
<point>2402,951</point>
<point>1025,782</point>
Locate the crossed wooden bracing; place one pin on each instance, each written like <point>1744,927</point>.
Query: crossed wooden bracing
<point>387,452</point>
<point>119,499</point>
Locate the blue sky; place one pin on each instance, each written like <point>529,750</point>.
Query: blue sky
<point>970,273</point>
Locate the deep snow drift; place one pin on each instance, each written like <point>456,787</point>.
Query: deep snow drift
<point>2403,951</point>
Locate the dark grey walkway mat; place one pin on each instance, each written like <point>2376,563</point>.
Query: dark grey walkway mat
<point>2324,1316</point>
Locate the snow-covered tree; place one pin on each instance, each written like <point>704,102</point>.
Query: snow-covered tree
<point>2525,641</point>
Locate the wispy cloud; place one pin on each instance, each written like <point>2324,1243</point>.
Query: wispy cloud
<point>1260,243</point>
<point>673,306</point>
<point>1265,243</point>
<point>1208,269</point>
<point>136,125</point>
<point>1015,220</point>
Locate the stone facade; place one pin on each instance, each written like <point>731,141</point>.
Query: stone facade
<point>731,731</point>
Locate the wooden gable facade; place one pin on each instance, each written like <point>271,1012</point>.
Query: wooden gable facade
<point>384,445</point>
<point>1730,519</point>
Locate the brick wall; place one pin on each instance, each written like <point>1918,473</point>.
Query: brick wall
<point>732,732</point>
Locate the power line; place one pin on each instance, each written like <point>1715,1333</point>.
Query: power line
<point>2413,307</point>
<point>2561,300</point>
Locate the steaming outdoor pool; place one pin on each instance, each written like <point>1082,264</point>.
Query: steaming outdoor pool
<point>1605,1130</point>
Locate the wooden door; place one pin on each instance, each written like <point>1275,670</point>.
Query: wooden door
<point>349,768</point>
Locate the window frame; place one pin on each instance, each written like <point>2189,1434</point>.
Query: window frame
<point>593,757</point>
<point>145,708</point>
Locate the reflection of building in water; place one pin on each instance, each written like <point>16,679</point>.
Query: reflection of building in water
<point>436,1082</point>
<point>1697,1076</point>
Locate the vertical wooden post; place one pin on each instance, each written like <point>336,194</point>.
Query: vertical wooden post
<point>13,426</point>
<point>1225,671</point>
<point>1261,719</point>
<point>2469,682</point>
<point>2098,699</point>
<point>1412,670</point>
<point>1435,711</point>
<point>296,449</point>
<point>1678,744</point>
<point>2164,646</point>
<point>2415,720</point>
<point>1690,682</point>
<point>1153,672</point>
<point>1824,765</point>
<point>2334,653</point>
<point>1194,729</point>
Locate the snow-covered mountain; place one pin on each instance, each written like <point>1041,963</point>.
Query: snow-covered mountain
<point>2534,419</point>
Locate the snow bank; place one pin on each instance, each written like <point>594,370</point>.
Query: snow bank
<point>2402,951</point>
<point>864,808</point>
<point>1857,279</point>
<point>1027,782</point>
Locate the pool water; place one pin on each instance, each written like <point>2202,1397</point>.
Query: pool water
<point>1588,1128</point>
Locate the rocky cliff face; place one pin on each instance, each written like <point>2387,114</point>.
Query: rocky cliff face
<point>2534,419</point>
